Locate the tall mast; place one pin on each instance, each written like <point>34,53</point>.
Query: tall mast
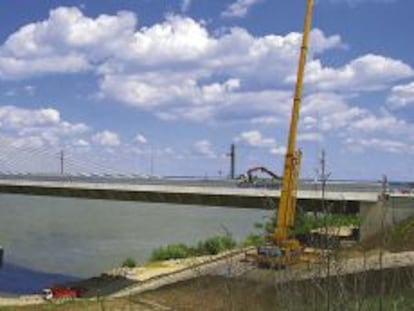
<point>287,203</point>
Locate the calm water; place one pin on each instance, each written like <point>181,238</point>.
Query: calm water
<point>81,238</point>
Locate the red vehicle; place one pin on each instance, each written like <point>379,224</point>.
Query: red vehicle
<point>59,293</point>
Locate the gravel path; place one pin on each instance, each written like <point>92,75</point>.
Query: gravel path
<point>229,263</point>
<point>343,267</point>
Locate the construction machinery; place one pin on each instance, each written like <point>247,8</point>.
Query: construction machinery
<point>282,249</point>
<point>251,180</point>
<point>261,169</point>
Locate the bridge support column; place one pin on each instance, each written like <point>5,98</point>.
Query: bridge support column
<point>376,216</point>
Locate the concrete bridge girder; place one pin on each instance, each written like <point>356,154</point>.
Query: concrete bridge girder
<point>373,215</point>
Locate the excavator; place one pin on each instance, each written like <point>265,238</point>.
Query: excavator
<point>250,180</point>
<point>282,249</point>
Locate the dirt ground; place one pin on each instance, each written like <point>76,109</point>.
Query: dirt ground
<point>393,289</point>
<point>214,293</point>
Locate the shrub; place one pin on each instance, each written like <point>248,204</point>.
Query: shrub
<point>211,246</point>
<point>254,240</point>
<point>129,263</point>
<point>305,222</point>
<point>172,251</point>
<point>215,245</point>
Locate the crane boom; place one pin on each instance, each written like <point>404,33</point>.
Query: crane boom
<point>287,204</point>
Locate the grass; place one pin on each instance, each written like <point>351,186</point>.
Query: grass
<point>129,263</point>
<point>210,246</point>
<point>304,224</point>
<point>395,239</point>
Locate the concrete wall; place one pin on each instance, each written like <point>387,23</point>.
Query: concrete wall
<point>374,216</point>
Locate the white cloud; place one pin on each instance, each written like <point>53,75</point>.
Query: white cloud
<point>12,68</point>
<point>142,91</point>
<point>171,68</point>
<point>34,142</point>
<point>240,8</point>
<point>204,148</point>
<point>67,42</point>
<point>386,145</point>
<point>81,143</point>
<point>31,138</point>
<point>384,123</point>
<point>366,73</point>
<point>178,41</point>
<point>278,150</point>
<point>141,139</point>
<point>166,68</point>
<point>106,138</point>
<point>44,124</point>
<point>255,139</point>
<point>318,137</point>
<point>14,117</point>
<point>401,96</point>
<point>330,112</point>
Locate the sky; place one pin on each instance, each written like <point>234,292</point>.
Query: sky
<point>164,87</point>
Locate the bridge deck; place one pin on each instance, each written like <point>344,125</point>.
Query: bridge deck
<point>67,188</point>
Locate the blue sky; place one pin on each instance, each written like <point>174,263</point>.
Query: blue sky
<point>141,86</point>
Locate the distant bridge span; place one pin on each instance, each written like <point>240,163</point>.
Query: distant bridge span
<point>398,207</point>
<point>231,196</point>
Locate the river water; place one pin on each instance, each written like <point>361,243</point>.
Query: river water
<point>50,238</point>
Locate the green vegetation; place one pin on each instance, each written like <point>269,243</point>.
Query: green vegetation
<point>211,246</point>
<point>307,222</point>
<point>253,239</point>
<point>403,301</point>
<point>129,263</point>
<point>397,238</point>
<point>171,251</point>
<point>215,245</point>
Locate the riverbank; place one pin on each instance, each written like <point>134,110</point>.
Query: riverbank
<point>17,280</point>
<point>173,283</point>
<point>122,282</point>
<point>360,273</point>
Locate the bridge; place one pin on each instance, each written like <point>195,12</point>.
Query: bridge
<point>200,192</point>
<point>348,197</point>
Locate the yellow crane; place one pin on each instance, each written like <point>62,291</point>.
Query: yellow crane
<point>286,250</point>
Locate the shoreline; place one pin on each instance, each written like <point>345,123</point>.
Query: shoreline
<point>17,280</point>
<point>154,276</point>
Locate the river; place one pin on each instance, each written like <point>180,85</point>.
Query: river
<point>50,238</point>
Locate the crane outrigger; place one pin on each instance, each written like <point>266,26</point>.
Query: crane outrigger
<point>284,249</point>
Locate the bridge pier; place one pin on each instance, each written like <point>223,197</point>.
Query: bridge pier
<point>377,216</point>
